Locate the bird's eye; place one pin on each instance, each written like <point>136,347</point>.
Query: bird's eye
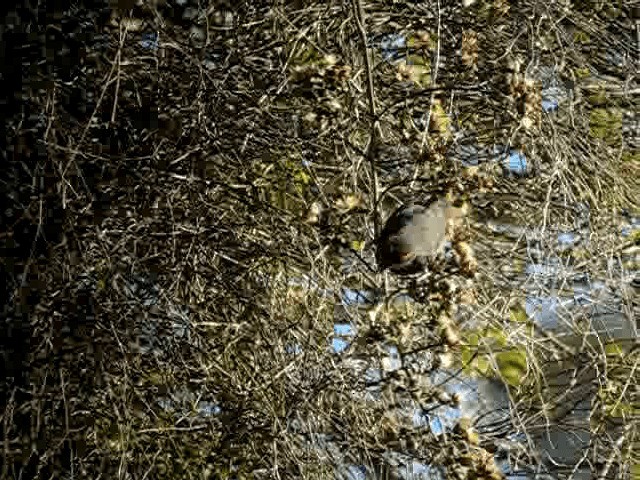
<point>404,256</point>
<point>404,220</point>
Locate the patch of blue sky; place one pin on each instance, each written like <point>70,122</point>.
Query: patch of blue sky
<point>469,155</point>
<point>616,58</point>
<point>203,408</point>
<point>516,163</point>
<point>355,297</point>
<point>339,345</point>
<point>567,239</point>
<point>552,97</point>
<point>440,420</point>
<point>355,472</point>
<point>631,227</point>
<point>583,292</point>
<point>392,46</point>
<point>342,332</point>
<point>343,329</point>
<point>549,104</point>
<point>549,268</point>
<point>372,376</point>
<point>150,40</point>
<point>419,470</point>
<point>208,408</point>
<point>392,361</point>
<point>293,349</point>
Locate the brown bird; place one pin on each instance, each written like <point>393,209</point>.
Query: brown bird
<point>412,235</point>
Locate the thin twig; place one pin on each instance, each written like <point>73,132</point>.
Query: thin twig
<point>359,19</point>
<point>434,80</point>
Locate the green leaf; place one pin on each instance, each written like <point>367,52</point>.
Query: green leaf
<point>357,245</point>
<point>512,366</point>
<point>518,314</point>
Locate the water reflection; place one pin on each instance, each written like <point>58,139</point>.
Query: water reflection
<point>575,308</point>
<point>469,153</point>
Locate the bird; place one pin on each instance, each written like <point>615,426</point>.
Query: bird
<point>411,236</point>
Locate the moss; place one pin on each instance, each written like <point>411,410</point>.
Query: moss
<point>357,245</point>
<point>440,121</point>
<point>581,37</point>
<point>420,69</point>
<point>608,9</point>
<point>518,314</point>
<point>582,73</point>
<point>307,56</point>
<point>492,357</point>
<point>630,156</point>
<point>597,99</point>
<point>359,137</point>
<point>606,124</point>
<point>512,365</point>
<point>422,39</point>
<point>613,349</point>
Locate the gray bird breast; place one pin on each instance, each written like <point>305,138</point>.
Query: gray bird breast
<point>426,233</point>
<point>410,236</point>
